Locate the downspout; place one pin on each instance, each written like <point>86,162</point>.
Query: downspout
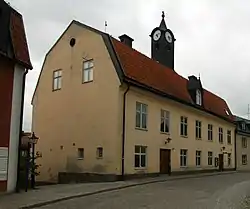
<point>235,150</point>
<point>124,129</point>
<point>20,131</point>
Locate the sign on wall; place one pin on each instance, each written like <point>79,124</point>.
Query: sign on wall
<point>3,163</point>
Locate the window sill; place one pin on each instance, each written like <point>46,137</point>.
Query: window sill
<point>140,168</point>
<point>99,158</point>
<point>141,129</point>
<point>53,90</point>
<point>87,81</point>
<point>198,139</point>
<point>184,167</point>
<point>184,136</point>
<point>79,158</point>
<point>166,133</point>
<point>210,140</point>
<point>229,144</point>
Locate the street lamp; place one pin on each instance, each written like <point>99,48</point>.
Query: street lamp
<point>32,141</point>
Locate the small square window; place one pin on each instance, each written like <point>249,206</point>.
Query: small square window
<point>99,152</point>
<point>80,153</point>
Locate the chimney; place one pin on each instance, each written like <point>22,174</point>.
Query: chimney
<point>126,40</point>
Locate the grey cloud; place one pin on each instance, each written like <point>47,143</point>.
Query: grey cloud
<point>212,37</point>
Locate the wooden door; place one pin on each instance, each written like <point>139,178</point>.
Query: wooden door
<point>165,161</point>
<point>221,163</point>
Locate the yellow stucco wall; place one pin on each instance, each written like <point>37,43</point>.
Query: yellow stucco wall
<point>80,115</point>
<point>154,139</point>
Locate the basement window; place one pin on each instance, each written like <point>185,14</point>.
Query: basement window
<point>80,153</point>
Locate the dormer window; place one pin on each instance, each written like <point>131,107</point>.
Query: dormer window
<point>243,126</point>
<point>198,97</point>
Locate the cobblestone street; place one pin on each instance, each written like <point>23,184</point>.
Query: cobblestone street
<point>223,191</point>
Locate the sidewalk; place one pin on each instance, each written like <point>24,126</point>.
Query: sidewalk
<point>45,195</point>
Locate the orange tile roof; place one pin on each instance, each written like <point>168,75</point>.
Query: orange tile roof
<point>148,72</point>
<point>18,38</point>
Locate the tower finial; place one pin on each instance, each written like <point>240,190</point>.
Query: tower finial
<point>163,15</point>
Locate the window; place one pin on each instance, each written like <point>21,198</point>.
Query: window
<point>244,159</point>
<point>164,121</point>
<point>184,124</point>
<point>229,139</point>
<point>3,163</point>
<point>210,158</point>
<point>99,152</point>
<point>210,132</point>
<point>57,80</point>
<point>243,126</point>
<point>88,71</point>
<point>80,153</point>
<point>229,159</point>
<point>141,115</point>
<point>140,156</point>
<point>220,135</point>
<point>244,142</point>
<point>198,158</point>
<point>198,97</point>
<point>183,157</point>
<point>198,129</point>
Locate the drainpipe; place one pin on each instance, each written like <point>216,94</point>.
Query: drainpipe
<point>123,129</point>
<point>235,150</point>
<point>20,131</point>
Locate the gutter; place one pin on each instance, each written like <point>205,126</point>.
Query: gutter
<point>124,129</point>
<point>20,131</point>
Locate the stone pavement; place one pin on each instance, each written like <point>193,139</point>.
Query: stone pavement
<point>46,195</point>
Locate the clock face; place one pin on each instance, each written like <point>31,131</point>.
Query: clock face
<point>157,35</point>
<point>168,37</point>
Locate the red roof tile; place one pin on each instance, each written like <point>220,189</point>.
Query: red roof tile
<point>148,72</point>
<point>18,38</point>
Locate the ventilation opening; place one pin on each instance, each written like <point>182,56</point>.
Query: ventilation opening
<point>72,42</point>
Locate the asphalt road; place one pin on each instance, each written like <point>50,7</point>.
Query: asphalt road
<point>222,191</point>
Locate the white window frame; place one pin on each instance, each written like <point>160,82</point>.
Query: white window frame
<point>210,132</point>
<point>229,136</point>
<point>198,158</point>
<point>220,135</point>
<point>244,159</point>
<point>141,110</point>
<point>243,126</point>
<point>198,126</point>
<point>198,97</point>
<point>140,154</point>
<point>244,142</point>
<point>209,157</point>
<point>87,75</point>
<point>165,119</point>
<point>184,126</point>
<point>183,156</point>
<point>57,80</point>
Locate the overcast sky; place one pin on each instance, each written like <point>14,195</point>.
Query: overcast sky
<point>212,37</point>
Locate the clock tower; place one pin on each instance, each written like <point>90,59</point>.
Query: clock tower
<point>162,44</point>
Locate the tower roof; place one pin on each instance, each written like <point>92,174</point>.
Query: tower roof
<point>163,23</point>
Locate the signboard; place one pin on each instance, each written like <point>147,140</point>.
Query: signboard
<point>3,163</point>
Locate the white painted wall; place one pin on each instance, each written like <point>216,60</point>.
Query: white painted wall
<point>14,128</point>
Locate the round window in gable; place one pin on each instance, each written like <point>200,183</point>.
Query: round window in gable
<point>72,42</point>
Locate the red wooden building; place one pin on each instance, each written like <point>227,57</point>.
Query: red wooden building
<point>14,65</point>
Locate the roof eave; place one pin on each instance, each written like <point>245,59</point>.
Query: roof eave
<point>140,85</point>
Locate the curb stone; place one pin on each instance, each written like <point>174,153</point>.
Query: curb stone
<point>49,202</point>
